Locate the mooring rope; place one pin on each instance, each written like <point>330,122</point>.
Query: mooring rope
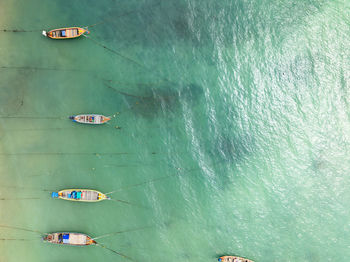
<point>120,232</point>
<point>24,229</point>
<point>114,251</point>
<point>29,198</point>
<point>18,30</point>
<point>41,68</point>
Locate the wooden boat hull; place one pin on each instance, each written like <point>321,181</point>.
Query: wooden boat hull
<point>69,238</point>
<point>90,119</point>
<point>65,33</point>
<point>233,259</point>
<point>80,195</point>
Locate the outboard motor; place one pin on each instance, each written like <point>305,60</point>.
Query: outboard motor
<point>71,117</point>
<point>44,33</point>
<point>54,194</point>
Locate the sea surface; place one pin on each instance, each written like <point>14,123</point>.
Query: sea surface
<point>231,132</point>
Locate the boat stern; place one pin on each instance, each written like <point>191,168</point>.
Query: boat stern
<point>48,238</point>
<point>54,195</point>
<point>72,118</point>
<point>233,259</point>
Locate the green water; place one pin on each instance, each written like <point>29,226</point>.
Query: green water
<point>234,134</point>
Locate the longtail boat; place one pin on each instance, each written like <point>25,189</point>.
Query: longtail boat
<point>233,259</point>
<point>71,239</point>
<point>91,119</point>
<point>82,195</point>
<point>66,33</point>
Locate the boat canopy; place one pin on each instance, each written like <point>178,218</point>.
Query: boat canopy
<point>75,195</point>
<point>66,238</point>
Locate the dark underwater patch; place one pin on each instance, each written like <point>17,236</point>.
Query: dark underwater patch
<point>226,152</point>
<point>154,99</point>
<point>232,148</point>
<point>13,92</point>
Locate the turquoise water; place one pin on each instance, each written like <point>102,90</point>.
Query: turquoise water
<point>234,134</point>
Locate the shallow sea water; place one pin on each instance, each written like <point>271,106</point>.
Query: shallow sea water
<point>234,134</point>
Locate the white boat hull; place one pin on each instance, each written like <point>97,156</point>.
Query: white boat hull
<point>90,119</point>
